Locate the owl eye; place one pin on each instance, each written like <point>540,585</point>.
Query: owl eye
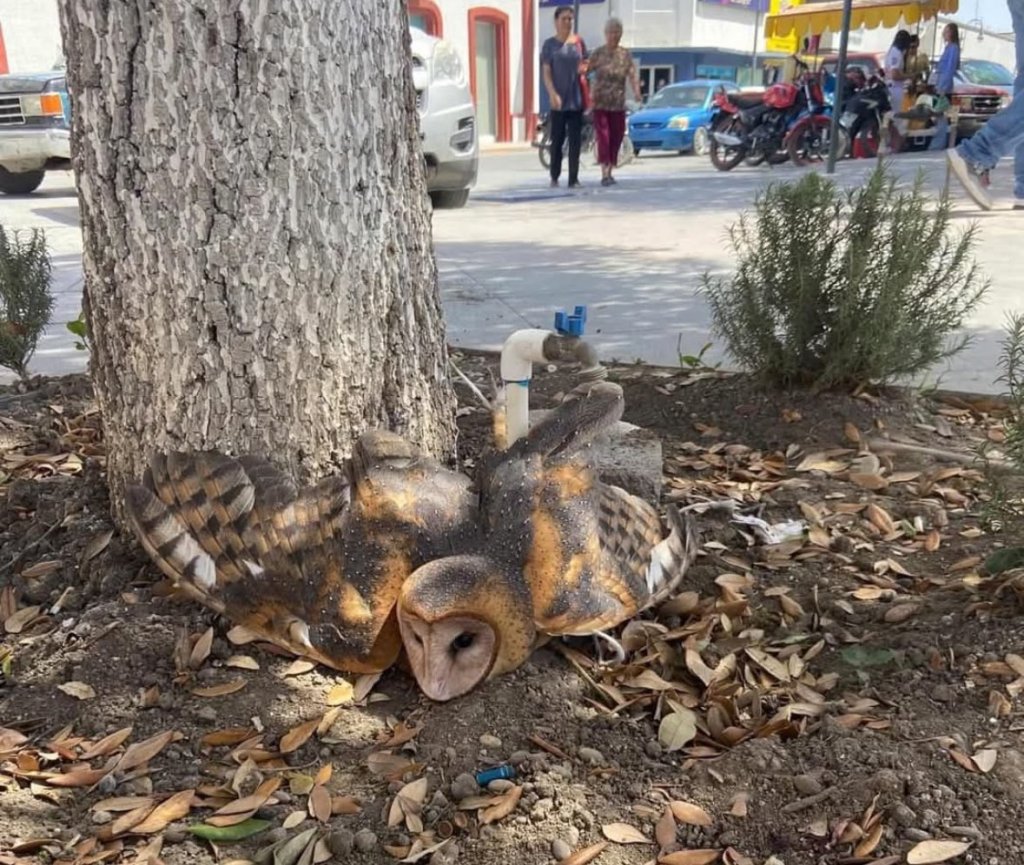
<point>462,641</point>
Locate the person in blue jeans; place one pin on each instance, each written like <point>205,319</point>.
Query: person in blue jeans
<point>975,157</point>
<point>945,82</point>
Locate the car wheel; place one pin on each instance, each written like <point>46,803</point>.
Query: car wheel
<point>20,182</point>
<point>449,199</point>
<point>701,141</point>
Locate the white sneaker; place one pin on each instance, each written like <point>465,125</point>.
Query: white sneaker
<point>971,178</point>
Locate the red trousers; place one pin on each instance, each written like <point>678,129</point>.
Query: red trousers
<point>609,127</point>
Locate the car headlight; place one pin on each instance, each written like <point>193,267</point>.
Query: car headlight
<point>447,64</point>
<point>43,105</point>
<point>1006,100</point>
<point>679,122</point>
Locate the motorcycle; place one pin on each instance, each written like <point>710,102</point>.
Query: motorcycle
<point>786,121</point>
<point>863,115</point>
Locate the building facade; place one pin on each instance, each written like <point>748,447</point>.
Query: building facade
<point>499,42</point>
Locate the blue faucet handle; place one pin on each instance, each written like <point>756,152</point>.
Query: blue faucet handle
<point>571,325</point>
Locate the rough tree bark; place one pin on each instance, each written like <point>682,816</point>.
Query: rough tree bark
<point>259,274</point>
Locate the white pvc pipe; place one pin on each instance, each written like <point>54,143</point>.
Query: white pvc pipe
<point>520,352</point>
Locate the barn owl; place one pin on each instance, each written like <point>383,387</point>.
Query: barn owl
<point>562,554</point>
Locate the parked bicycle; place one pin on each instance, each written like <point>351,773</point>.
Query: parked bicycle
<point>588,142</point>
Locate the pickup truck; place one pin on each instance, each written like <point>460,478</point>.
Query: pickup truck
<point>35,124</point>
<point>35,129</point>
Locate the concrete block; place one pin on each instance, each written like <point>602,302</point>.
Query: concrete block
<point>627,456</point>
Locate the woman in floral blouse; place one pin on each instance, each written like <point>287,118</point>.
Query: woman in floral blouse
<point>611,66</point>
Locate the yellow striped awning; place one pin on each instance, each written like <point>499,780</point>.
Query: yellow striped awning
<point>815,18</point>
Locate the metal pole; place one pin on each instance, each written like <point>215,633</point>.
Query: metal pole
<point>837,107</point>
<point>575,16</point>
<point>757,29</point>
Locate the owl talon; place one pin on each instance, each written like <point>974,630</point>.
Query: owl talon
<point>619,656</point>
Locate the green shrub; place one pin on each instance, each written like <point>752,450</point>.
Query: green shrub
<point>837,288</point>
<point>1011,360</point>
<point>25,299</point>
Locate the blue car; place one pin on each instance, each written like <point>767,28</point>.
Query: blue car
<point>677,117</point>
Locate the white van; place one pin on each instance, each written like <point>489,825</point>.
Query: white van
<point>447,119</point>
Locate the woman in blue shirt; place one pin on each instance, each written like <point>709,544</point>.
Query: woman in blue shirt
<point>949,62</point>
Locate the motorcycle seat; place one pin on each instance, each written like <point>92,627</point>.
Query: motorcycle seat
<point>746,100</point>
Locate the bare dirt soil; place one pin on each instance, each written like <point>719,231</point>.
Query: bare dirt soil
<point>849,695</point>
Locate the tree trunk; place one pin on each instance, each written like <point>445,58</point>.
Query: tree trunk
<point>259,275</point>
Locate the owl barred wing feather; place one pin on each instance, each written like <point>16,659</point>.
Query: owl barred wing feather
<point>315,570</point>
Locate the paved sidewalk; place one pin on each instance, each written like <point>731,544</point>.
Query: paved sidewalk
<point>634,254</point>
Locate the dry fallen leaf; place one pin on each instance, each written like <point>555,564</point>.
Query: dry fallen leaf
<point>623,833</point>
<point>242,809</point>
<point>901,612</point>
<point>931,852</point>
<point>985,760</point>
<point>320,803</point>
<point>97,545</point>
<point>961,758</point>
<point>239,635</point>
<point>677,729</point>
<point>221,690</point>
<point>296,818</point>
<point>298,667</point>
<point>107,745</point>
<point>584,856</point>
<point>870,841</point>
<point>687,812</point>
<point>16,624</point>
<point>344,805</point>
<point>739,805</point>
<point>174,808</point>
<point>690,857</point>
<point>665,831</point>
<point>144,751</point>
<point>242,662</point>
<point>201,650</point>
<point>869,481</point>
<point>880,519</point>
<point>505,806</point>
<point>296,738</point>
<point>78,690</point>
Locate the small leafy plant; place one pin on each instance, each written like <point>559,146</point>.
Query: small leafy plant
<point>1005,506</point>
<point>693,361</point>
<point>26,302</point>
<point>80,328</point>
<point>837,288</point>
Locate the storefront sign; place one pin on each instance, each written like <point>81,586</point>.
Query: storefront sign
<point>752,5</point>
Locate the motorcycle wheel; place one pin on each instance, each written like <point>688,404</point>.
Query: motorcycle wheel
<point>808,141</point>
<point>869,137</point>
<point>723,157</point>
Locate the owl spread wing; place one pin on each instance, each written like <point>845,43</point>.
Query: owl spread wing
<point>594,554</point>
<point>599,556</point>
<point>316,571</point>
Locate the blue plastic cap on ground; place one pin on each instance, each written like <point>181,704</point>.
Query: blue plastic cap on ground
<point>571,325</point>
